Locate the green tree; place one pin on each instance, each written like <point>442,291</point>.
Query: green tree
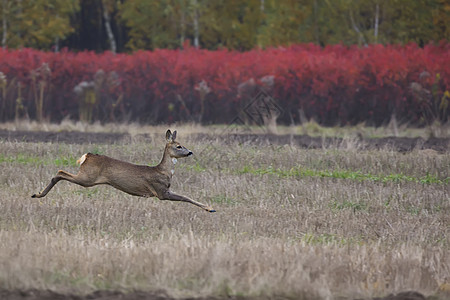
<point>235,24</point>
<point>231,24</point>
<point>153,24</point>
<point>441,21</point>
<point>376,21</point>
<point>414,21</point>
<point>285,22</point>
<point>38,24</point>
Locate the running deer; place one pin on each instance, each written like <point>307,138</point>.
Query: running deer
<point>137,180</point>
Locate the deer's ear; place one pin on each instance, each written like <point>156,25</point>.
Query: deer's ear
<point>169,136</point>
<point>174,135</point>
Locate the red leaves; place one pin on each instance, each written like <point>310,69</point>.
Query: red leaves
<point>328,83</point>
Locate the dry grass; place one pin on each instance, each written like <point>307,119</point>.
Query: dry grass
<point>276,232</point>
<point>311,128</point>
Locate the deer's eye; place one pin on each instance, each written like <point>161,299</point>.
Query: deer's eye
<point>179,147</point>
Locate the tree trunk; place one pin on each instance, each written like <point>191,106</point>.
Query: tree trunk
<point>183,27</point>
<point>377,17</point>
<point>5,24</point>
<point>196,30</point>
<point>355,27</point>
<point>316,26</point>
<point>109,32</point>
<point>57,44</point>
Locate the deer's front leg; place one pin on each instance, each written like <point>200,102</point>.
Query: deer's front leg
<point>174,197</point>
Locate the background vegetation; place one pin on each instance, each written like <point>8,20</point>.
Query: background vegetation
<point>334,85</point>
<point>326,223</point>
<point>337,62</point>
<point>120,25</point>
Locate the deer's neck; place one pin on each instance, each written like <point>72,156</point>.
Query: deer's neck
<point>167,164</point>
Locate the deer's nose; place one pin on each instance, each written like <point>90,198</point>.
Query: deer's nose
<point>190,153</point>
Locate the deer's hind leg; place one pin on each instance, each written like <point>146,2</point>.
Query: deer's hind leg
<point>63,175</point>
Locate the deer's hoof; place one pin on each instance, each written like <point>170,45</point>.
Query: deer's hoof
<point>212,210</point>
<point>33,196</point>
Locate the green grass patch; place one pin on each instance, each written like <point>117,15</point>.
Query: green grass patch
<point>35,160</point>
<point>21,159</point>
<point>340,174</point>
<point>282,173</point>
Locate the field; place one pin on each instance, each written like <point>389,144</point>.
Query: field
<point>337,221</point>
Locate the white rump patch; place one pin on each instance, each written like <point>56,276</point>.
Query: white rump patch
<point>81,160</point>
<point>174,160</point>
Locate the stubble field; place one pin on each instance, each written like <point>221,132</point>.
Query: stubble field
<point>332,222</point>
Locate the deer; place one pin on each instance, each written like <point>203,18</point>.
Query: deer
<point>136,180</point>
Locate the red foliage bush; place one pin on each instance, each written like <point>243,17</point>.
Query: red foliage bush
<point>334,85</point>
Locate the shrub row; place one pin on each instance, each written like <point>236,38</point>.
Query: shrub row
<point>335,85</point>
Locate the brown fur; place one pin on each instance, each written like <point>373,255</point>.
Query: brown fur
<point>136,180</point>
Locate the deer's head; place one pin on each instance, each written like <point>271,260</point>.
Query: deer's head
<point>174,149</point>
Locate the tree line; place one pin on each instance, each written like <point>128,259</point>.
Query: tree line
<point>126,26</point>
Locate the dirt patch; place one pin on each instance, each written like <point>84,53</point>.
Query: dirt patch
<point>98,295</point>
<point>400,144</point>
<point>69,137</point>
<point>159,295</point>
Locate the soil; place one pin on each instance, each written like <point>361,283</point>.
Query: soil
<point>440,145</point>
<point>401,144</point>
<point>159,295</point>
